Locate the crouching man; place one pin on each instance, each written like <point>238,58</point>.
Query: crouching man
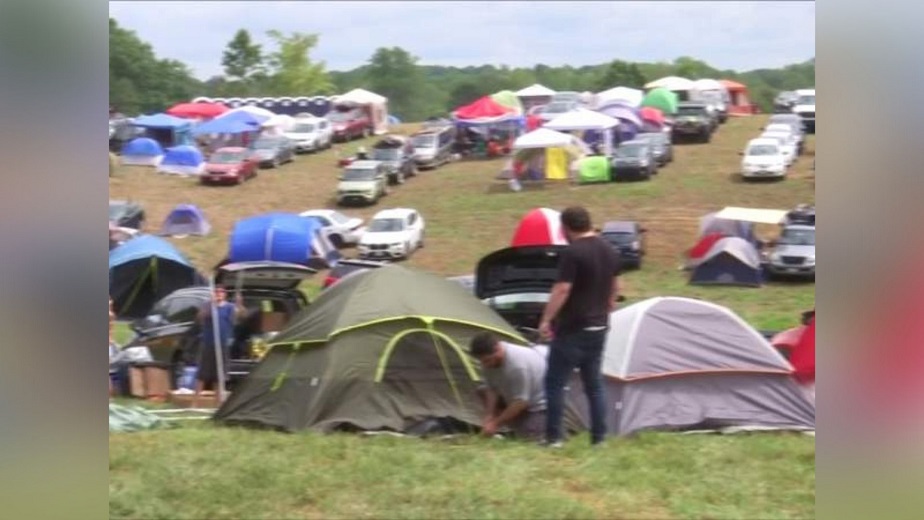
<point>513,395</point>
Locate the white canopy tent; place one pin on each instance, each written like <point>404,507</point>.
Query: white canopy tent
<point>547,138</point>
<point>378,106</point>
<point>535,90</point>
<point>675,83</point>
<point>628,96</point>
<point>259,113</point>
<point>278,124</point>
<point>757,216</point>
<point>710,87</point>
<point>584,119</point>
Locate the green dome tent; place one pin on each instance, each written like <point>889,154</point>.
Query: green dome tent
<point>508,99</point>
<point>381,350</point>
<point>662,99</point>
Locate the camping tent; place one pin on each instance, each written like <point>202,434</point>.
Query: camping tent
<point>484,110</point>
<point>381,350</point>
<point>182,160</point>
<point>584,119</point>
<point>535,95</point>
<point>594,169</point>
<point>731,261</point>
<point>376,104</point>
<point>662,99</point>
<point>142,151</point>
<point>539,227</point>
<point>799,344</point>
<point>683,364</point>
<point>712,223</point>
<point>282,237</point>
<point>630,122</point>
<point>547,149</point>
<point>684,89</point>
<point>145,269</point>
<point>165,129</point>
<point>508,99</point>
<point>197,110</point>
<point>185,219</point>
<point>740,102</point>
<point>232,122</point>
<point>624,95</point>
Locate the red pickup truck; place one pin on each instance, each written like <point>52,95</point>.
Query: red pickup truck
<point>349,124</point>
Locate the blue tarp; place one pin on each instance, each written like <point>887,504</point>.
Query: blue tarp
<point>232,123</point>
<point>162,121</point>
<point>282,237</point>
<point>142,146</point>
<point>183,155</point>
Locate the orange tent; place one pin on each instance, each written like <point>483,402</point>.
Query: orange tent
<point>740,101</point>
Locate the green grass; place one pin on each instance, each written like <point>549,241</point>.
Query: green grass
<point>206,472</point>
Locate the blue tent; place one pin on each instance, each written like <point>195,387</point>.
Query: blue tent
<point>182,160</point>
<point>185,219</point>
<point>730,261</point>
<point>166,129</point>
<point>282,237</point>
<point>142,147</point>
<point>393,120</point>
<point>161,121</point>
<point>145,269</point>
<point>231,123</point>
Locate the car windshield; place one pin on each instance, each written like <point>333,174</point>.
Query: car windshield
<point>339,218</point>
<point>806,100</point>
<point>226,157</point>
<point>358,174</point>
<point>630,151</point>
<point>763,149</point>
<point>619,239</point>
<point>423,141</point>
<point>303,128</point>
<point>797,237</point>
<point>689,111</point>
<point>265,144</point>
<point>386,225</point>
<point>385,154</point>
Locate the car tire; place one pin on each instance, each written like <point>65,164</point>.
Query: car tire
<point>337,241</point>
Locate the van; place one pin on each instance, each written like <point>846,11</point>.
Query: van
<point>433,146</point>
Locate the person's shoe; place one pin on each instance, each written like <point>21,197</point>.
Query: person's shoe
<point>551,444</point>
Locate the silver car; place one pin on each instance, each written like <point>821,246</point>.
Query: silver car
<point>793,254</point>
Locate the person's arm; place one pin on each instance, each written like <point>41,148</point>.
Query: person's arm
<point>490,399</point>
<point>567,272</point>
<point>514,410</point>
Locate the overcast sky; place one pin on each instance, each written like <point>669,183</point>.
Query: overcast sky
<point>728,35</point>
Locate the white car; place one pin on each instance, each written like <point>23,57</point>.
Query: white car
<point>805,108</point>
<point>786,145</point>
<point>311,134</point>
<point>763,158</point>
<point>342,230</point>
<point>392,233</point>
<point>795,138</point>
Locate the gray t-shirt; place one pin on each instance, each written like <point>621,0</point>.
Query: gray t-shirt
<point>520,377</point>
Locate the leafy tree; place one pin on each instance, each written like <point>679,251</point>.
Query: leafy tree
<point>291,71</point>
<point>621,74</point>
<point>242,58</point>
<point>394,73</point>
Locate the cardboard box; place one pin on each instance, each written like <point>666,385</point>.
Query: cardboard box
<point>184,400</point>
<point>148,380</point>
<point>272,321</point>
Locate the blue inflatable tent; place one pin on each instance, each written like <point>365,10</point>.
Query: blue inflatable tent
<point>142,151</point>
<point>185,219</point>
<point>235,122</point>
<point>282,237</point>
<point>730,261</point>
<point>166,129</point>
<point>182,160</point>
<point>145,269</point>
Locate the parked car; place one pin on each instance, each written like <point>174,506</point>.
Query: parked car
<point>763,158</point>
<point>793,253</point>
<point>633,160</point>
<point>796,137</point>
<point>349,123</point>
<point>270,293</point>
<point>787,146</point>
<point>397,154</point>
<point>661,146</point>
<point>693,120</point>
<point>804,107</point>
<point>273,151</point>
<point>392,234</point>
<point>348,267</point>
<point>628,238</point>
<point>362,182</point>
<point>795,124</point>
<point>344,230</point>
<point>803,214</point>
<point>229,165</point>
<point>311,134</point>
<point>433,146</point>
<point>126,214</point>
<point>784,102</point>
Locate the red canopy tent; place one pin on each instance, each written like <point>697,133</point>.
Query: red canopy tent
<point>652,115</point>
<point>540,227</point>
<point>197,110</point>
<point>740,101</point>
<point>484,108</point>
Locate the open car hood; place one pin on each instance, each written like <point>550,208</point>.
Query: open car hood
<point>262,275</point>
<point>517,270</point>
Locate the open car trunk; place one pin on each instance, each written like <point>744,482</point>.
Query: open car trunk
<point>516,282</point>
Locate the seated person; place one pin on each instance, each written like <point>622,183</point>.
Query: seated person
<point>513,394</point>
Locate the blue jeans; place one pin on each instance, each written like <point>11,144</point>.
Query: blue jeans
<point>582,350</point>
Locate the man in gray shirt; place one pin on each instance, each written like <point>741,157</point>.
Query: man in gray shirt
<point>514,395</point>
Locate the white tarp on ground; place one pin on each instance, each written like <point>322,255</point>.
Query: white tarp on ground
<point>535,90</point>
<point>758,216</point>
<point>674,83</point>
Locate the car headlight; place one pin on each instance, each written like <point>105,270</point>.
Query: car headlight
<point>774,256</point>
<point>810,260</point>
<point>636,245</point>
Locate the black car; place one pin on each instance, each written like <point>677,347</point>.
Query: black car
<point>801,215</point>
<point>271,296</point>
<point>661,146</point>
<point>126,214</point>
<point>122,130</point>
<point>397,154</point>
<point>628,238</point>
<point>693,120</point>
<point>633,160</point>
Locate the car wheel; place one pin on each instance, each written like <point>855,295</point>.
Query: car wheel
<point>337,241</point>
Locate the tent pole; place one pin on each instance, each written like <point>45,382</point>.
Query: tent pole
<point>216,337</point>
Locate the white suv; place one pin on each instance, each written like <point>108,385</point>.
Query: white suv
<point>392,233</point>
<point>311,134</point>
<point>805,108</point>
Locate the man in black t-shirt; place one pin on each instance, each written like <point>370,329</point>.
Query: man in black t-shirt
<point>579,307</point>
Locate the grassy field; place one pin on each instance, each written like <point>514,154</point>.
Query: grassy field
<point>205,472</point>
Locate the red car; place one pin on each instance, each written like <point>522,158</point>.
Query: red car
<point>230,165</point>
<point>349,124</point>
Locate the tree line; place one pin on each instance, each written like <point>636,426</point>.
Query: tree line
<point>140,81</point>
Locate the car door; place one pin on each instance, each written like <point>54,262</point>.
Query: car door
<point>411,224</point>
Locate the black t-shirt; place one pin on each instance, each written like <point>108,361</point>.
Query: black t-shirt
<point>589,264</point>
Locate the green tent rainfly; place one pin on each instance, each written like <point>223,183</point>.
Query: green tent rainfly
<point>662,99</point>
<point>381,350</point>
<point>508,99</point>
